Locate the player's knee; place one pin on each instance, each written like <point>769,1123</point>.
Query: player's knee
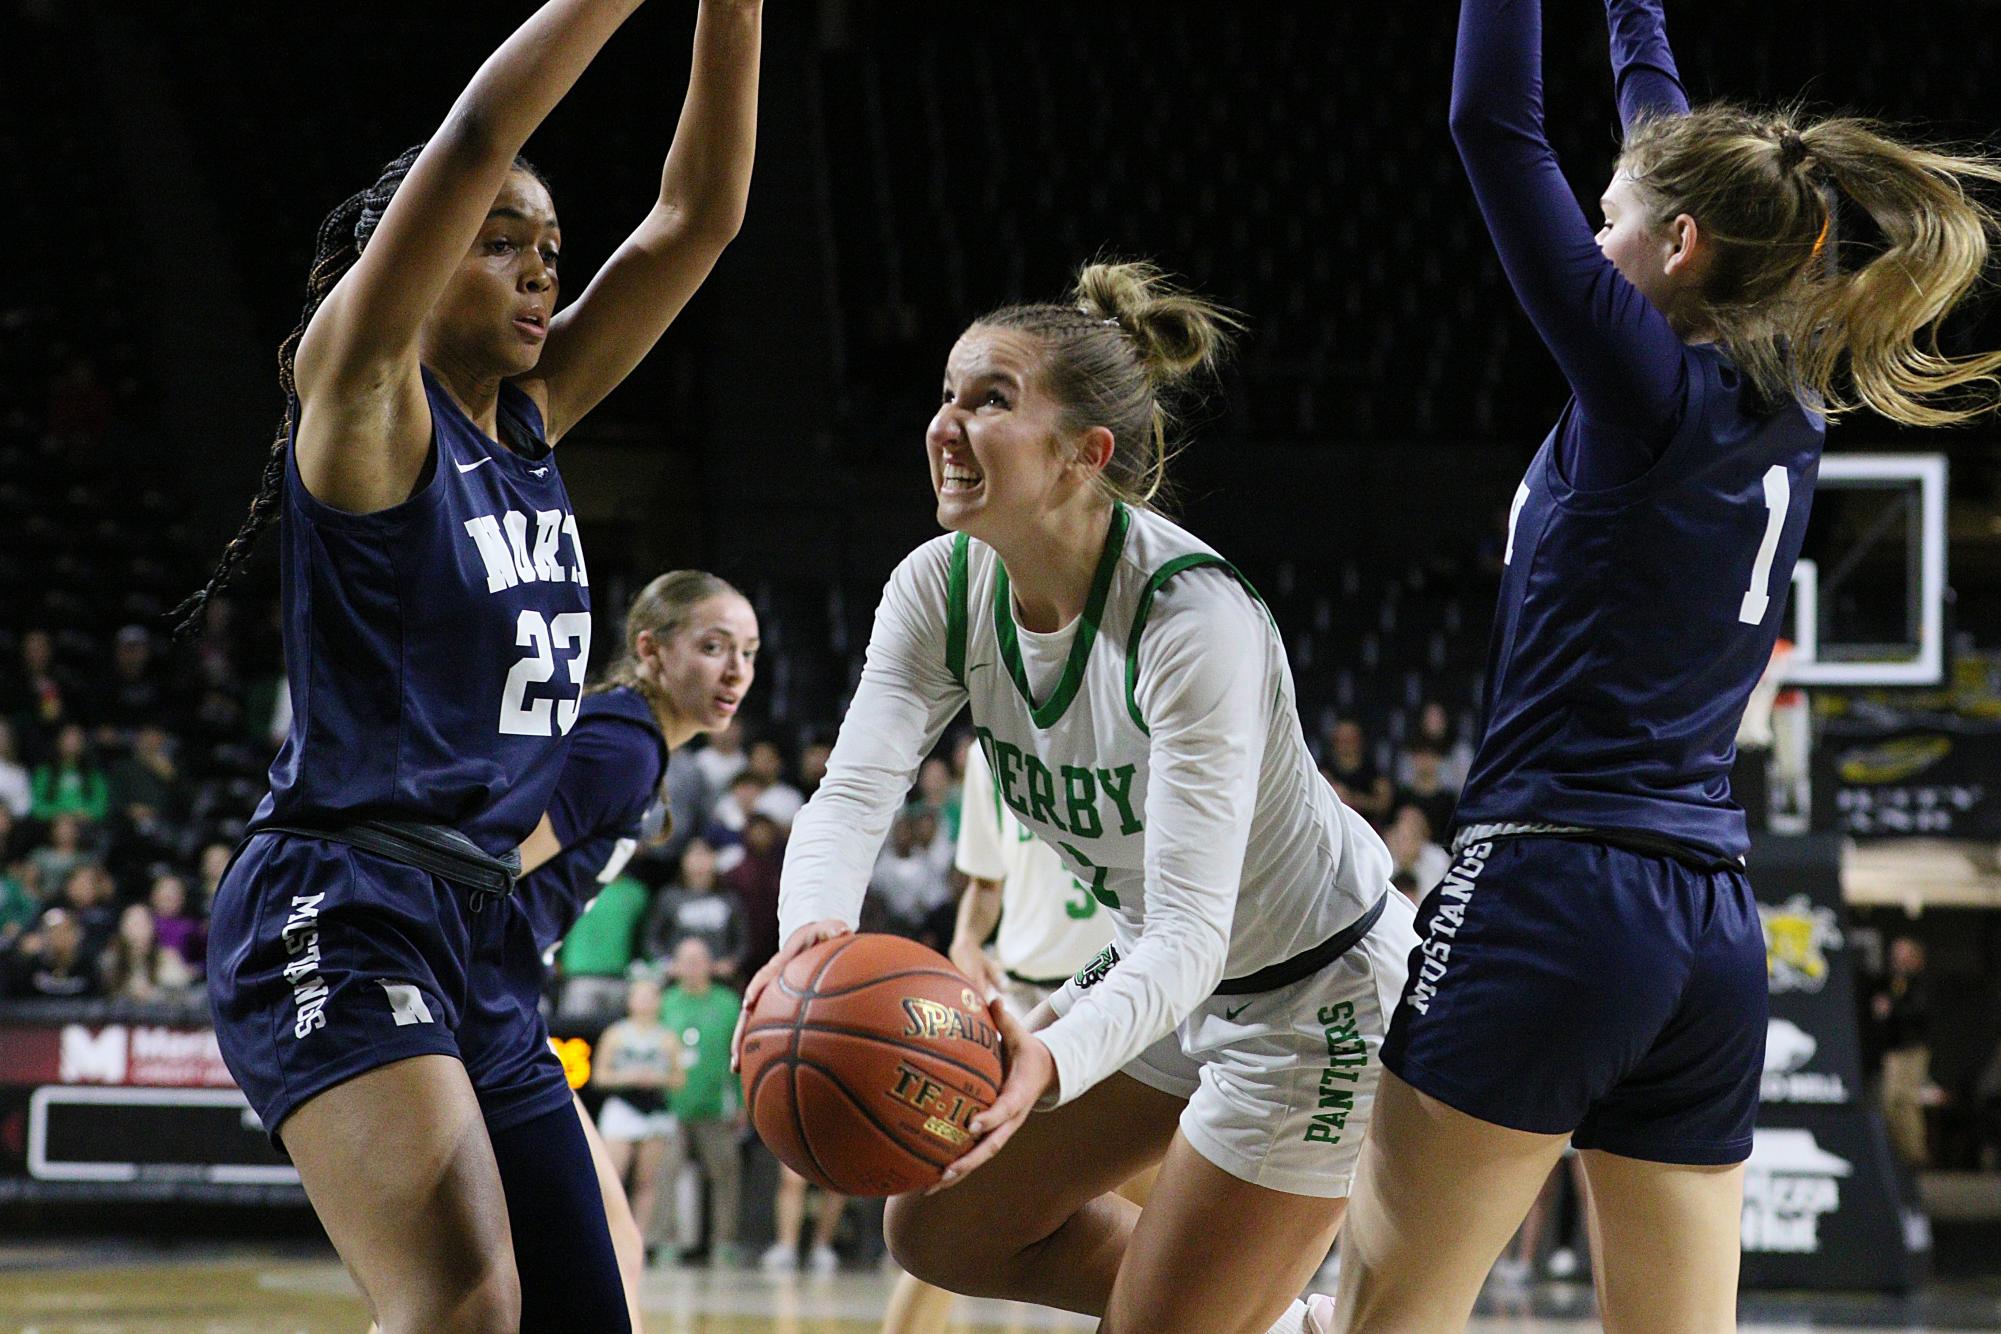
<point>494,1305</point>
<point>920,1243</point>
<point>475,1304</point>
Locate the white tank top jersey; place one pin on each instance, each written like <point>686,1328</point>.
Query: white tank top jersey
<point>1153,742</point>
<point>1050,924</point>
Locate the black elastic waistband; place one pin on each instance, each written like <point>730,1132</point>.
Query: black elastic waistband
<point>1287,971</point>
<point>1046,983</point>
<point>439,849</point>
<point>1642,842</point>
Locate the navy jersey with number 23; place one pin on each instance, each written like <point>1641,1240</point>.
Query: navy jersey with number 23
<point>435,650</point>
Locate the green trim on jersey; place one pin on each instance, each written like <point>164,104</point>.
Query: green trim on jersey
<point>1046,713</point>
<point>1193,560</point>
<point>955,610</point>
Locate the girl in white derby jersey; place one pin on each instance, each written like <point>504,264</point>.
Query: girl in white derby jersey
<point>1133,698</point>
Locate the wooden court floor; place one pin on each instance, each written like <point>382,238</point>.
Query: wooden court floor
<point>58,1288</point>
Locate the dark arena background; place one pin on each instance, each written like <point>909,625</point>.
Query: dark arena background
<point>918,164</point>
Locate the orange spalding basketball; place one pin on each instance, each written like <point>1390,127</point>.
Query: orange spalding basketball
<point>863,1062</point>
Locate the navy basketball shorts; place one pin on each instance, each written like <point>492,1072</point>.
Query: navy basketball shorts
<point>503,1038</point>
<point>1567,987</point>
<point>325,962</point>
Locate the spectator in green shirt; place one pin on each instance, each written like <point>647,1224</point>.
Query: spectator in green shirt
<point>71,784</point>
<point>598,950</point>
<point>18,908</point>
<point>702,1013</point>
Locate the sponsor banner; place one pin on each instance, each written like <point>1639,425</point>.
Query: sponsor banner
<point>128,1143</point>
<point>1927,762</point>
<point>1824,1206</point>
<point>1813,1053</point>
<point>139,1055</point>
<point>129,1111</point>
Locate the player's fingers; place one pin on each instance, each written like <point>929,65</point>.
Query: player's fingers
<point>758,982</point>
<point>1017,1091</point>
<point>980,1153</point>
<point>803,939</point>
<point>1013,1103</point>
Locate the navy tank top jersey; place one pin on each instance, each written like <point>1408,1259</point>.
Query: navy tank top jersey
<point>435,650</point>
<point>607,802</point>
<point>1635,620</point>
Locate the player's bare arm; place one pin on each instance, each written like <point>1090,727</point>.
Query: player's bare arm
<point>704,188</point>
<point>365,430</point>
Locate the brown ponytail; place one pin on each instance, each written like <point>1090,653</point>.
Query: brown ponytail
<point>1798,314</point>
<point>1120,355</point>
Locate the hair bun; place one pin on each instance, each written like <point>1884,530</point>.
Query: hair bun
<point>1176,332</point>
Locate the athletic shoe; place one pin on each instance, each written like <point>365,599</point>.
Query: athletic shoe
<point>779,1259</point>
<point>1319,1313</point>
<point>823,1260</point>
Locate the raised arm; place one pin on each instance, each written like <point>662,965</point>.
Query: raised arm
<point>1644,76</point>
<point>1622,358</point>
<point>595,343</point>
<point>360,350</point>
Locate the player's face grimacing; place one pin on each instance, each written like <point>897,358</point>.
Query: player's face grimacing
<point>706,668</point>
<point>494,314</point>
<point>994,445</point>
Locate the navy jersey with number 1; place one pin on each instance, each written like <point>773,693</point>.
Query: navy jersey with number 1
<point>1635,620</point>
<point>1593,964</point>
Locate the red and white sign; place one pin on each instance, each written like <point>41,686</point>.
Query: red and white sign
<point>128,1055</point>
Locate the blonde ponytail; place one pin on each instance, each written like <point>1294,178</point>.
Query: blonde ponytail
<point>1769,191</point>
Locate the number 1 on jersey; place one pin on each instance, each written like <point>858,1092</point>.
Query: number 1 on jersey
<point>1778,499</point>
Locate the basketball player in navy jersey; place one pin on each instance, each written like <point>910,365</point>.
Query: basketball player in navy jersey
<point>437,622</point>
<point>689,658</point>
<point>1592,968</point>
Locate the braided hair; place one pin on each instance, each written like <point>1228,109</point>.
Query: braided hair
<point>342,236</point>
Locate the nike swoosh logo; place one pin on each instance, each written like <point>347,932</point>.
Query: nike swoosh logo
<point>468,467</point>
<point>1231,1015</point>
<point>976,667</point>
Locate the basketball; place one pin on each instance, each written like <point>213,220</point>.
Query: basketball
<point>865,1060</point>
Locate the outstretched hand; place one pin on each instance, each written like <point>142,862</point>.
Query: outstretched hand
<point>1031,1073</point>
<point>802,940</point>
<point>978,966</point>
